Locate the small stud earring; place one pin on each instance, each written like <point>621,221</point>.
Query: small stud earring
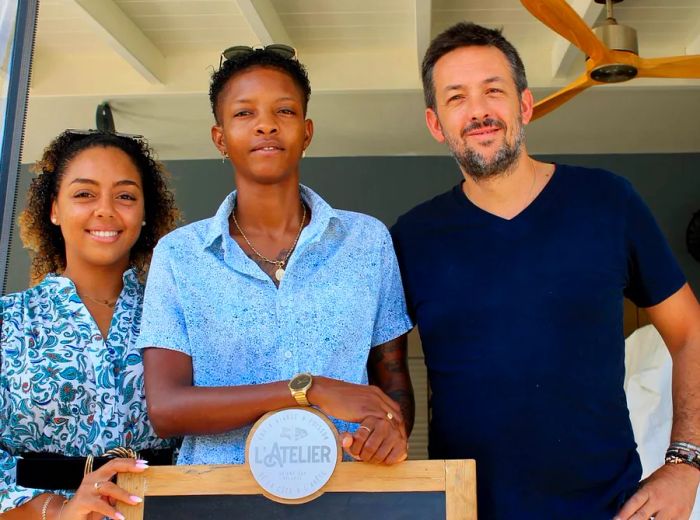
<point>303,154</point>
<point>143,223</point>
<point>224,156</point>
<point>54,221</point>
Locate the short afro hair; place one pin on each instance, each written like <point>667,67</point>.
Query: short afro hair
<point>258,58</point>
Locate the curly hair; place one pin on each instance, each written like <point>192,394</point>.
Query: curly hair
<point>261,58</point>
<point>45,240</point>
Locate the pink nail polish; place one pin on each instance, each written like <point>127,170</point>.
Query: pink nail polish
<point>136,499</point>
<point>120,516</point>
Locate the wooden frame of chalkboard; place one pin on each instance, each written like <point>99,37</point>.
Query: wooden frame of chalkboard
<point>453,479</point>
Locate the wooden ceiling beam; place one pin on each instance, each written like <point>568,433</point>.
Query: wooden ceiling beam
<point>693,41</point>
<point>424,19</point>
<point>124,36</point>
<point>264,21</point>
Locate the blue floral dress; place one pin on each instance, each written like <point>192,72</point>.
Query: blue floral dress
<point>63,387</point>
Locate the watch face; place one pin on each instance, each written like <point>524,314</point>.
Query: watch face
<point>300,382</point>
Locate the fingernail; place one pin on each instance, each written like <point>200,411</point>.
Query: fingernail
<point>142,461</point>
<point>142,465</point>
<point>120,516</point>
<point>136,499</point>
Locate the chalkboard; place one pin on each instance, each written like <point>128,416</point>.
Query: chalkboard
<point>367,506</point>
<point>411,490</point>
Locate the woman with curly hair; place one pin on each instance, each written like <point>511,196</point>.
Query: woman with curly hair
<point>71,381</point>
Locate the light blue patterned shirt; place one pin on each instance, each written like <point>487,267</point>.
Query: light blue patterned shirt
<point>340,296</point>
<point>63,387</point>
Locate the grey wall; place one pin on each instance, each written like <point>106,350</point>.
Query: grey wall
<point>388,186</point>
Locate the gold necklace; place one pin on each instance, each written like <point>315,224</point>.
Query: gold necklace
<point>108,303</point>
<point>279,273</point>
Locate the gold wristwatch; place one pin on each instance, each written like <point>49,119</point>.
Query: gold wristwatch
<point>298,386</point>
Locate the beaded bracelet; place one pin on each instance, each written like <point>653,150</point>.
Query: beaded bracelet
<point>685,445</point>
<point>683,453</point>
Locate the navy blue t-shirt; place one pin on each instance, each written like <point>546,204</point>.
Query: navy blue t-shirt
<point>521,325</point>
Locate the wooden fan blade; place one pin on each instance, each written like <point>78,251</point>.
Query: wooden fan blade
<point>562,96</point>
<point>561,18</point>
<point>670,67</point>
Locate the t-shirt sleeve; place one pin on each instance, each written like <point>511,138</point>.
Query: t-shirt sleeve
<point>392,319</point>
<point>653,272</point>
<point>163,322</point>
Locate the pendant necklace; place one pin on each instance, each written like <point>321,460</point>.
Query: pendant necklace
<point>279,273</point>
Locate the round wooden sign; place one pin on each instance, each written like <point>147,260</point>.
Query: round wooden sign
<point>292,454</point>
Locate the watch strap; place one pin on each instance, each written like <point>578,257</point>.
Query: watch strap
<point>300,398</point>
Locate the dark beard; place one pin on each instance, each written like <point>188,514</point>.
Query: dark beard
<point>474,164</point>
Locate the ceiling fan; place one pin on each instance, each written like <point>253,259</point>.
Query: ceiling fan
<point>611,50</point>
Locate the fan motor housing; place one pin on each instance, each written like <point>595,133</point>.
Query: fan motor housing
<point>613,73</point>
<point>617,37</point>
<point>620,38</point>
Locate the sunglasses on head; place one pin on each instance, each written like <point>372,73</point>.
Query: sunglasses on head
<point>237,51</point>
<point>83,133</point>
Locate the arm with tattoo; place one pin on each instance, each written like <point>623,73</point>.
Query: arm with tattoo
<point>387,368</point>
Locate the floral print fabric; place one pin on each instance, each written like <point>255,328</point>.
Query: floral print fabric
<point>63,387</point>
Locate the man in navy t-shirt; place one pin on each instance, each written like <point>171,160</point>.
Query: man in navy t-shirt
<point>516,280</point>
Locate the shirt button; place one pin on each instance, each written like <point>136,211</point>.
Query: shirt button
<point>288,354</point>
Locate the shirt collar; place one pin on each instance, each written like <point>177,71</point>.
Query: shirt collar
<point>130,279</point>
<point>322,214</point>
<point>65,288</point>
<point>218,224</point>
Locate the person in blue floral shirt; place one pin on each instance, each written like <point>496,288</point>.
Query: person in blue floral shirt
<point>71,379</point>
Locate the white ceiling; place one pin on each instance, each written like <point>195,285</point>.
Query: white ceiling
<point>151,59</point>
